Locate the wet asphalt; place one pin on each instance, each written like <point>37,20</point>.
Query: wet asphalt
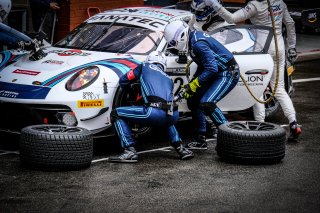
<point>160,182</point>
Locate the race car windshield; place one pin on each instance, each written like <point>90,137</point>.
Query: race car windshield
<point>116,39</point>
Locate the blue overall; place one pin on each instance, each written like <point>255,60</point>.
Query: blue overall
<point>155,84</point>
<point>217,74</point>
<point>11,37</point>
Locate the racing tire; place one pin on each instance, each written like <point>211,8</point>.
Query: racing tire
<point>55,147</point>
<point>273,107</point>
<point>251,142</point>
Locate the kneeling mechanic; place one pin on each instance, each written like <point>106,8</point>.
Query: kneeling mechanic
<point>159,110</point>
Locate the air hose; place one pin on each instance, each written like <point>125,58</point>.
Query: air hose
<point>242,78</point>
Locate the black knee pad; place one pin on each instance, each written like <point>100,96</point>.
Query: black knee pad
<point>208,107</point>
<point>114,116</point>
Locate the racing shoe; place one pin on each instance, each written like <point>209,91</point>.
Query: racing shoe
<point>295,131</point>
<point>183,152</point>
<point>198,143</point>
<point>128,156</point>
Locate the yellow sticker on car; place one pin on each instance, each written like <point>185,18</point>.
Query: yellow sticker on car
<point>91,103</point>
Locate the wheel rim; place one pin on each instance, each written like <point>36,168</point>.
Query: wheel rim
<point>251,126</point>
<point>273,103</point>
<point>56,128</point>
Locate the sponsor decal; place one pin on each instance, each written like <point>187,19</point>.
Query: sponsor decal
<point>257,71</point>
<point>176,70</point>
<point>277,11</point>
<point>252,80</point>
<point>69,53</point>
<point>130,75</point>
<point>312,17</point>
<point>90,96</point>
<point>247,8</point>
<point>158,69</point>
<point>91,103</point>
<point>26,72</point>
<point>126,10</point>
<point>8,94</point>
<point>133,19</point>
<point>51,61</point>
<point>161,12</point>
<point>254,77</point>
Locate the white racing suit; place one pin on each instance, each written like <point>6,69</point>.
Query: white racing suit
<point>197,25</point>
<point>258,14</point>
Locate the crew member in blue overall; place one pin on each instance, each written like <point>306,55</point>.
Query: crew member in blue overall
<point>5,39</point>
<point>216,76</point>
<point>159,109</point>
<point>9,36</point>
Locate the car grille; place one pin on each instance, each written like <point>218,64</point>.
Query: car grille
<point>16,116</point>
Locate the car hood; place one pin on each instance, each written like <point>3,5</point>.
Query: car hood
<point>57,61</point>
<point>19,74</point>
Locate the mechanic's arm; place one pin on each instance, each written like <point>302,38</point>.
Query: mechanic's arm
<point>290,27</point>
<point>8,40</point>
<point>240,15</point>
<point>207,60</point>
<point>192,22</point>
<point>130,77</point>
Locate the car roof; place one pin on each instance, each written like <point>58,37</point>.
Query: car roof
<point>148,17</point>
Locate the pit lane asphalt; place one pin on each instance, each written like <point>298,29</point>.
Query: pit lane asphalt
<point>160,182</point>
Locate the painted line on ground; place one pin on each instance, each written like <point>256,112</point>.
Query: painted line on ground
<point>6,152</point>
<point>163,149</point>
<point>305,80</point>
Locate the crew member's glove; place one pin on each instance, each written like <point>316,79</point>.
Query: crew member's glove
<point>190,89</point>
<point>213,3</point>
<point>292,54</point>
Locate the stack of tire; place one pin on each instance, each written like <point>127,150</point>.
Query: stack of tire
<point>251,142</point>
<point>55,147</point>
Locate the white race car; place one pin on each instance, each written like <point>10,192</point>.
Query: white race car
<point>76,82</point>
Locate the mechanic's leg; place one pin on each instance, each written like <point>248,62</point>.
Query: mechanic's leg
<point>223,84</point>
<point>177,145</point>
<point>124,132</point>
<point>199,125</point>
<point>259,111</point>
<point>284,99</point>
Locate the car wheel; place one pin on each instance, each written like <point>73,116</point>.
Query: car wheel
<point>251,142</point>
<point>55,147</point>
<point>131,96</point>
<point>272,107</point>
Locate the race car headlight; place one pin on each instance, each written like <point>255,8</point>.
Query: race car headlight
<point>83,78</point>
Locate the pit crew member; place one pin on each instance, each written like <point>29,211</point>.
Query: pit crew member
<point>258,13</point>
<point>216,76</point>
<point>159,110</point>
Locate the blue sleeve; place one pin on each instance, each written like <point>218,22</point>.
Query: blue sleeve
<point>8,40</point>
<point>207,59</point>
<point>130,77</point>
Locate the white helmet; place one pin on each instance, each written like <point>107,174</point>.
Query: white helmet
<point>201,10</point>
<point>5,7</point>
<point>157,57</point>
<point>176,34</point>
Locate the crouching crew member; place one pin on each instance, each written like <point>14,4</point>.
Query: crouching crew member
<point>159,110</point>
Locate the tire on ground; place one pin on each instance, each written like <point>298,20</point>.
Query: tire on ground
<point>55,147</point>
<point>251,142</point>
